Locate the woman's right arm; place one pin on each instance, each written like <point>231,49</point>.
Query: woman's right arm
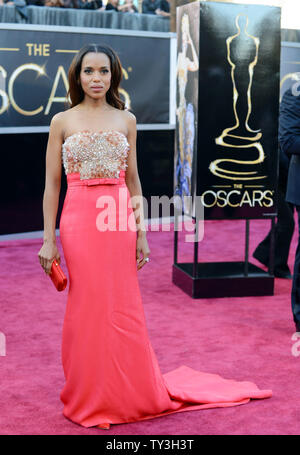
<point>49,250</point>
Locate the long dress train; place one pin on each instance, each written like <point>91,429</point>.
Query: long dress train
<point>111,371</point>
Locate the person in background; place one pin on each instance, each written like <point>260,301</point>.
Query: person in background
<point>128,7</point>
<point>289,139</point>
<point>90,4</point>
<point>35,2</point>
<point>112,5</point>
<point>20,5</point>
<point>13,2</point>
<point>284,227</point>
<point>150,6</point>
<point>71,4</point>
<point>164,8</point>
<point>54,3</point>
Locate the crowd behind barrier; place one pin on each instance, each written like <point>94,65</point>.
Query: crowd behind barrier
<point>151,15</point>
<point>159,7</point>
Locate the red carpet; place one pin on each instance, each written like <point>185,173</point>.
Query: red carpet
<point>238,338</point>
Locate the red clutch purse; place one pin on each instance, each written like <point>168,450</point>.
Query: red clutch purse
<point>57,276</point>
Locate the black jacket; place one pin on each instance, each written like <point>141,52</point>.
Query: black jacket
<point>149,6</point>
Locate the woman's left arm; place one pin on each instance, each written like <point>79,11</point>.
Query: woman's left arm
<point>135,189</point>
<point>194,65</point>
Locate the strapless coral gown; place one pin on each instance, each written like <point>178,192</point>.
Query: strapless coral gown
<point>111,371</point>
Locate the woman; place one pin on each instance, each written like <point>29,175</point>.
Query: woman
<point>185,117</point>
<point>112,375</point>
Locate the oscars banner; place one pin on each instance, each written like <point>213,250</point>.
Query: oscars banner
<point>227,125</point>
<point>34,62</point>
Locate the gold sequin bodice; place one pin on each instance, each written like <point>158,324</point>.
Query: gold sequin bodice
<point>100,154</point>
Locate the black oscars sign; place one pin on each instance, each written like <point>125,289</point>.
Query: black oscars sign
<point>226,147</point>
<point>227,109</point>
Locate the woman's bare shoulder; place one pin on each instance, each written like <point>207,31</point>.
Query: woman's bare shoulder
<point>61,119</point>
<point>130,118</point>
<point>130,121</point>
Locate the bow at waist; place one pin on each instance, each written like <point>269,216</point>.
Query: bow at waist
<point>74,179</point>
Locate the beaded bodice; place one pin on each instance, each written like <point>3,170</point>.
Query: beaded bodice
<point>95,154</point>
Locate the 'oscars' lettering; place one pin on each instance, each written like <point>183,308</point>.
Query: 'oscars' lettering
<point>15,74</point>
<point>59,99</point>
<point>237,198</point>
<point>5,100</point>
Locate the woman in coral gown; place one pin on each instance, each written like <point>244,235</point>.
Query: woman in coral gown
<point>111,371</point>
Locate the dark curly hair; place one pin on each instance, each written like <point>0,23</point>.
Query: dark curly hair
<point>75,92</point>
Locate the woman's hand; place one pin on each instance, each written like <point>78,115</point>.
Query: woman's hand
<point>141,247</point>
<point>47,254</point>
